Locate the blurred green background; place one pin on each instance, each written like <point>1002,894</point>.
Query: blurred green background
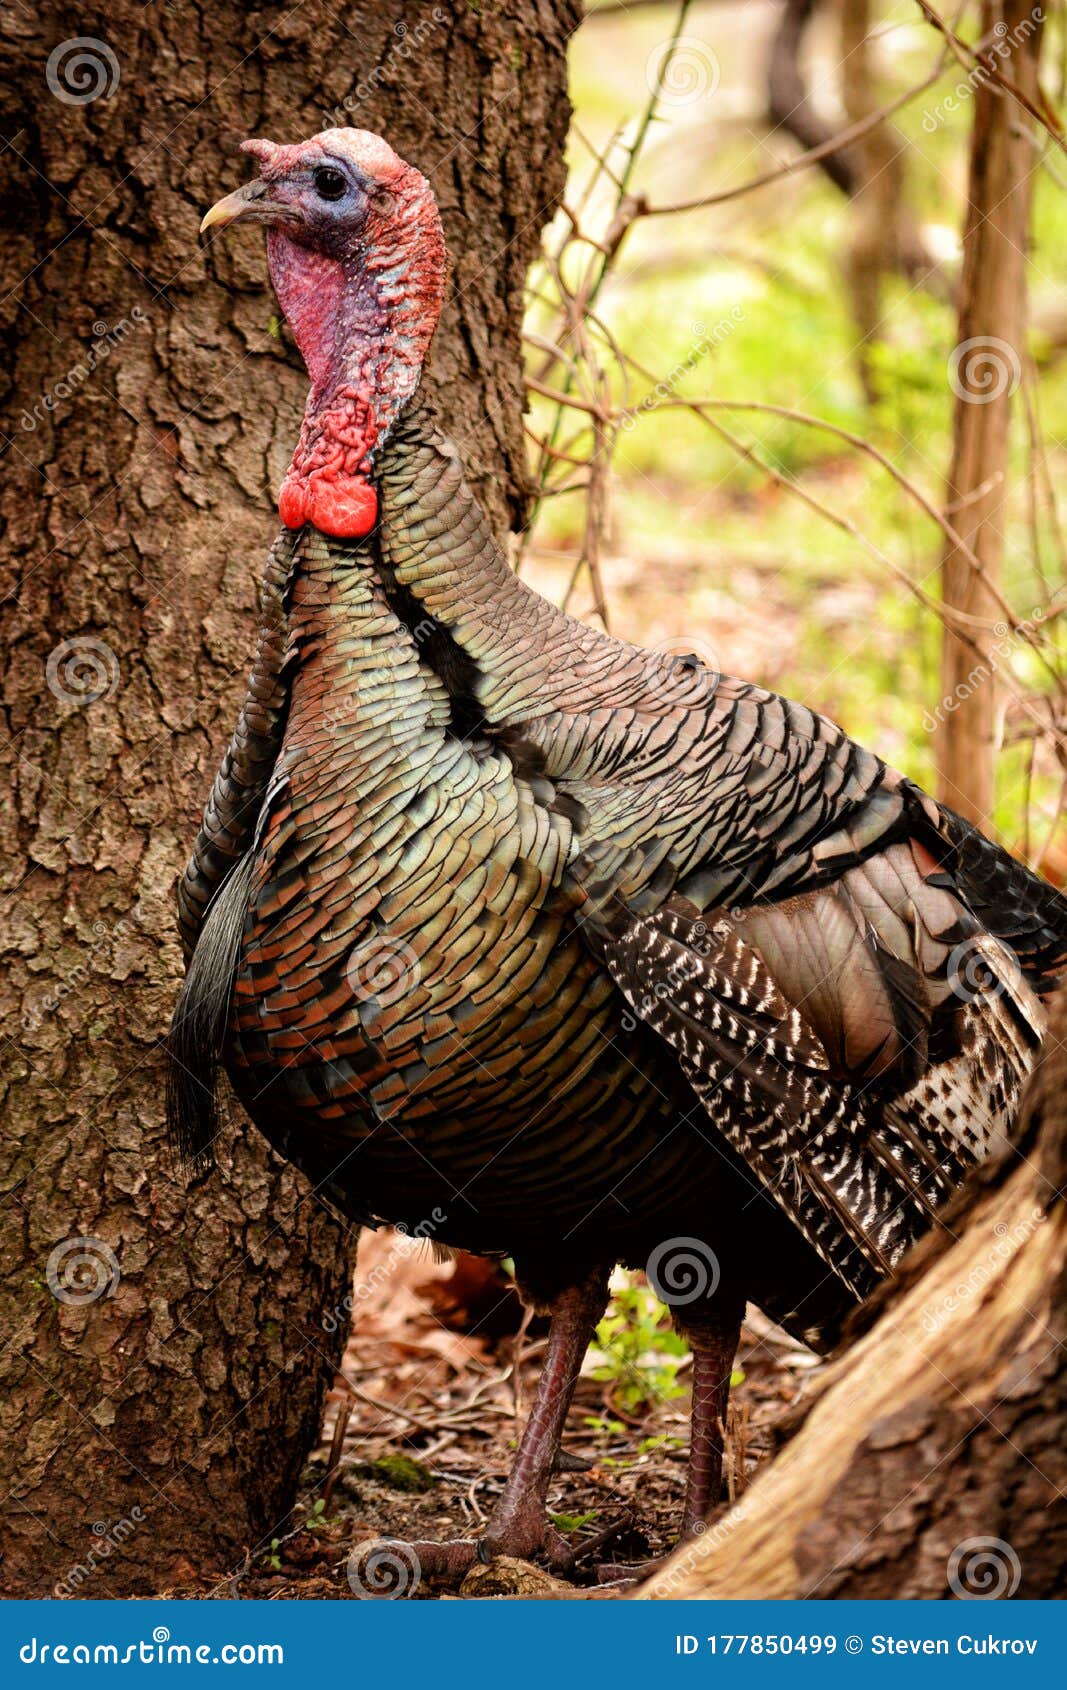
<point>749,300</point>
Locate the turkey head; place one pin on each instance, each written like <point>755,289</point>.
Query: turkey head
<point>357,260</point>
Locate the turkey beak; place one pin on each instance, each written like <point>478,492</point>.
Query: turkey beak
<point>249,204</point>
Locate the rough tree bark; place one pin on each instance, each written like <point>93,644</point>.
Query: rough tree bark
<point>984,370</point>
<point>931,1461</point>
<point>163,1353</point>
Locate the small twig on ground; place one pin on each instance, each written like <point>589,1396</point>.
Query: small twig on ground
<point>337,1444</point>
<point>387,1407</point>
<point>516,1363</point>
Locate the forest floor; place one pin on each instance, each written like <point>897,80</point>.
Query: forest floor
<point>440,1372</point>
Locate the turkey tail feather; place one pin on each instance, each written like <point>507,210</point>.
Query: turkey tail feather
<point>198,1029</point>
<point>1017,907</point>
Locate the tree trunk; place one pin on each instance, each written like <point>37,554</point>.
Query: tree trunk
<point>877,210</point>
<point>931,1461</point>
<point>885,234</point>
<point>789,103</point>
<point>164,1353</point>
<point>984,371</point>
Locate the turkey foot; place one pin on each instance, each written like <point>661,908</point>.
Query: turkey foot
<point>713,1336</point>
<point>518,1525</point>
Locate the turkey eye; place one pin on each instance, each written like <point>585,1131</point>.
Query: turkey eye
<point>329,184</point>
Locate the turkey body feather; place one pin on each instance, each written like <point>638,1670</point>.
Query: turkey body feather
<point>587,947</point>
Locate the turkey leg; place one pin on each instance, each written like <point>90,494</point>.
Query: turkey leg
<point>518,1525</point>
<point>712,1331</point>
<point>713,1339</point>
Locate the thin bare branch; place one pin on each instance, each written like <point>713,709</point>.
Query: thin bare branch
<point>982,56</point>
<point>844,138</point>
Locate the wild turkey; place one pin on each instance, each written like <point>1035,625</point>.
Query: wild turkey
<point>591,954</point>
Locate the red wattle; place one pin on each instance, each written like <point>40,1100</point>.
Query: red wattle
<point>345,509</point>
<point>292,504</point>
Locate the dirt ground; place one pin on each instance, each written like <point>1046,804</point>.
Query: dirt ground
<point>419,1433</point>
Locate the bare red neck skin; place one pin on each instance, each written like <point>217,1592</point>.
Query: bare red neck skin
<point>363,322</point>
